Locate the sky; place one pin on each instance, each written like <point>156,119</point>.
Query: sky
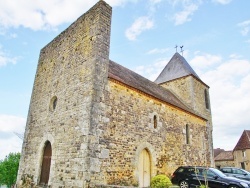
<point>215,35</point>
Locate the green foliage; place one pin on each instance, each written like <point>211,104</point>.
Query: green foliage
<point>8,169</point>
<point>160,181</point>
<point>203,186</point>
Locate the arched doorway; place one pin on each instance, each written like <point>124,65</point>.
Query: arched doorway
<point>144,168</point>
<point>44,178</point>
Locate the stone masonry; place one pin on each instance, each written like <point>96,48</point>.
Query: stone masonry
<point>73,67</point>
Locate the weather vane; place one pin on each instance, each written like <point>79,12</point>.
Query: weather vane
<point>182,50</point>
<point>176,47</point>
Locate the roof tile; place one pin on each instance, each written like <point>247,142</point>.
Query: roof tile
<point>225,156</point>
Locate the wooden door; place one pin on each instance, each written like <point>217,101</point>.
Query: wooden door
<point>144,169</point>
<point>46,164</point>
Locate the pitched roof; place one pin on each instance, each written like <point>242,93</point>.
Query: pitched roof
<point>217,151</point>
<point>177,67</point>
<point>225,156</point>
<point>244,141</point>
<point>146,86</point>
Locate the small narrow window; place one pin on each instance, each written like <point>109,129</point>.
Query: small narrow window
<point>206,99</point>
<point>187,134</point>
<point>155,121</point>
<point>53,103</point>
<point>243,153</point>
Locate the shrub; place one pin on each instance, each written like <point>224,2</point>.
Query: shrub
<point>160,181</point>
<point>203,186</point>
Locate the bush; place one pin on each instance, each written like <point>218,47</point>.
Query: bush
<point>203,186</point>
<point>160,181</point>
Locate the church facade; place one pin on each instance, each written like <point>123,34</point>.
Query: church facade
<point>94,122</point>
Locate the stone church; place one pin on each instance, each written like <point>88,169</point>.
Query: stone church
<point>93,122</point>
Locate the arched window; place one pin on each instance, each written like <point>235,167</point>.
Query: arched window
<point>44,178</point>
<point>187,134</point>
<point>206,99</point>
<point>53,103</point>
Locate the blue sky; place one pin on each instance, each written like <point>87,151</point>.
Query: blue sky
<point>215,35</point>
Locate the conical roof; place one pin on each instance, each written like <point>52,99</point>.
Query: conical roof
<point>244,141</point>
<point>177,67</point>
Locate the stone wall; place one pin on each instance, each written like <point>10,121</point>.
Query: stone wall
<point>190,91</point>
<point>239,158</point>
<point>225,163</point>
<point>65,103</point>
<point>131,129</point>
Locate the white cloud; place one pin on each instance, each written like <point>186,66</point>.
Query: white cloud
<point>245,27</point>
<point>9,141</point>
<point>151,72</point>
<point>235,56</point>
<point>141,24</point>
<point>10,145</point>
<point>45,14</point>
<point>10,123</point>
<point>119,2</point>
<point>229,93</point>
<point>155,1</point>
<point>184,16</point>
<point>13,35</point>
<point>158,51</point>
<point>204,61</point>
<point>5,58</point>
<point>245,31</point>
<point>223,2</point>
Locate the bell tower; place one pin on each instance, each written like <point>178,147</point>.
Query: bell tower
<point>179,77</point>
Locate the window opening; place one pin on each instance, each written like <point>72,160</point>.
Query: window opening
<point>243,153</point>
<point>155,121</point>
<point>206,99</point>
<point>53,103</point>
<point>187,134</point>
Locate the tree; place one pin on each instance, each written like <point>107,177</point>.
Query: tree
<point>8,169</point>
